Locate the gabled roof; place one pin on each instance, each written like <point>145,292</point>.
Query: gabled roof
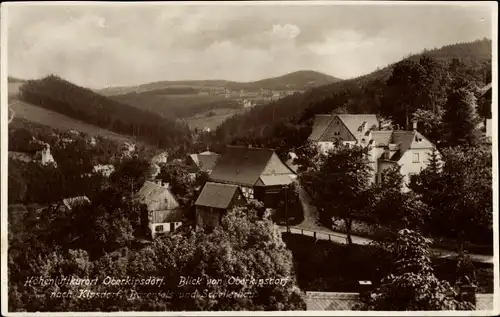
<point>216,195</point>
<point>205,161</point>
<point>403,140</point>
<point>353,123</point>
<point>273,180</point>
<point>157,197</point>
<point>381,138</point>
<point>331,301</point>
<point>321,123</point>
<point>241,165</point>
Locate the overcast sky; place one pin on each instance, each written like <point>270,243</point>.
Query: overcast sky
<point>100,46</point>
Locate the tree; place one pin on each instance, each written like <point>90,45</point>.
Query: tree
<point>393,208</point>
<point>429,124</point>
<point>460,194</point>
<point>308,156</point>
<point>412,284</point>
<point>181,184</point>
<point>130,175</point>
<point>408,89</point>
<point>459,119</point>
<point>340,186</point>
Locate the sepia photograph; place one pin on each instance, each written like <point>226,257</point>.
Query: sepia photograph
<point>248,158</point>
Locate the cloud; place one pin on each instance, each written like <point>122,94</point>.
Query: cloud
<point>287,31</point>
<point>98,45</point>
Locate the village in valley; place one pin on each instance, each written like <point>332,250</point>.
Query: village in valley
<point>371,193</point>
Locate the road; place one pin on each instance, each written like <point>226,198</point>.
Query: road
<point>310,225</point>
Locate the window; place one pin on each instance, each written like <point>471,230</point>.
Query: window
<point>387,155</point>
<point>416,157</point>
<point>172,226</point>
<point>159,228</point>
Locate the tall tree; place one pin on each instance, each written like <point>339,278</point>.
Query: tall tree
<point>412,284</point>
<point>392,208</point>
<point>460,119</point>
<point>408,89</point>
<point>340,186</point>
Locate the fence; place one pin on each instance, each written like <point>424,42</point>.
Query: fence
<point>315,234</point>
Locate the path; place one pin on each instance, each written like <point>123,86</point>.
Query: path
<point>310,225</point>
<point>12,113</point>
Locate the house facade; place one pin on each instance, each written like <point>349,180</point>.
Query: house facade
<point>408,149</point>
<point>258,172</point>
<point>164,212</point>
<point>330,129</point>
<point>214,201</point>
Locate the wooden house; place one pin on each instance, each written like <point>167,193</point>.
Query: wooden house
<point>164,212</point>
<point>214,201</point>
<point>259,172</point>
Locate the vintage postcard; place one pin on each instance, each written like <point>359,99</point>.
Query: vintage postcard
<point>248,158</point>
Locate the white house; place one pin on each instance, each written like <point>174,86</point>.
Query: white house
<point>329,129</point>
<point>164,212</point>
<point>408,149</point>
<point>44,156</point>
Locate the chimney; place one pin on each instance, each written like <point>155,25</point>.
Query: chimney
<point>415,122</point>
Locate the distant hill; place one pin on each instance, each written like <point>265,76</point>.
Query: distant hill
<point>364,94</point>
<point>190,99</point>
<point>52,98</point>
<point>297,80</point>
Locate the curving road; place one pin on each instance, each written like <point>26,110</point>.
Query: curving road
<point>310,225</point>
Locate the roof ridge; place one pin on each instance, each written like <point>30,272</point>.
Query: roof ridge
<point>250,148</point>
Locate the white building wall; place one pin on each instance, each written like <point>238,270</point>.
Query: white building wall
<point>409,166</point>
<point>166,227</point>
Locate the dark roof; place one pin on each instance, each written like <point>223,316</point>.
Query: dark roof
<point>205,161</point>
<point>217,195</point>
<point>162,216</point>
<point>404,139</point>
<point>382,138</point>
<point>331,301</point>
<point>321,122</point>
<point>353,122</point>
<point>241,165</point>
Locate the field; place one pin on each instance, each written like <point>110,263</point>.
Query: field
<point>62,122</point>
<point>202,120</point>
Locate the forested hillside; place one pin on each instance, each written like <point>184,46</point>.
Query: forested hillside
<point>286,122</point>
<point>168,102</point>
<point>61,96</point>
